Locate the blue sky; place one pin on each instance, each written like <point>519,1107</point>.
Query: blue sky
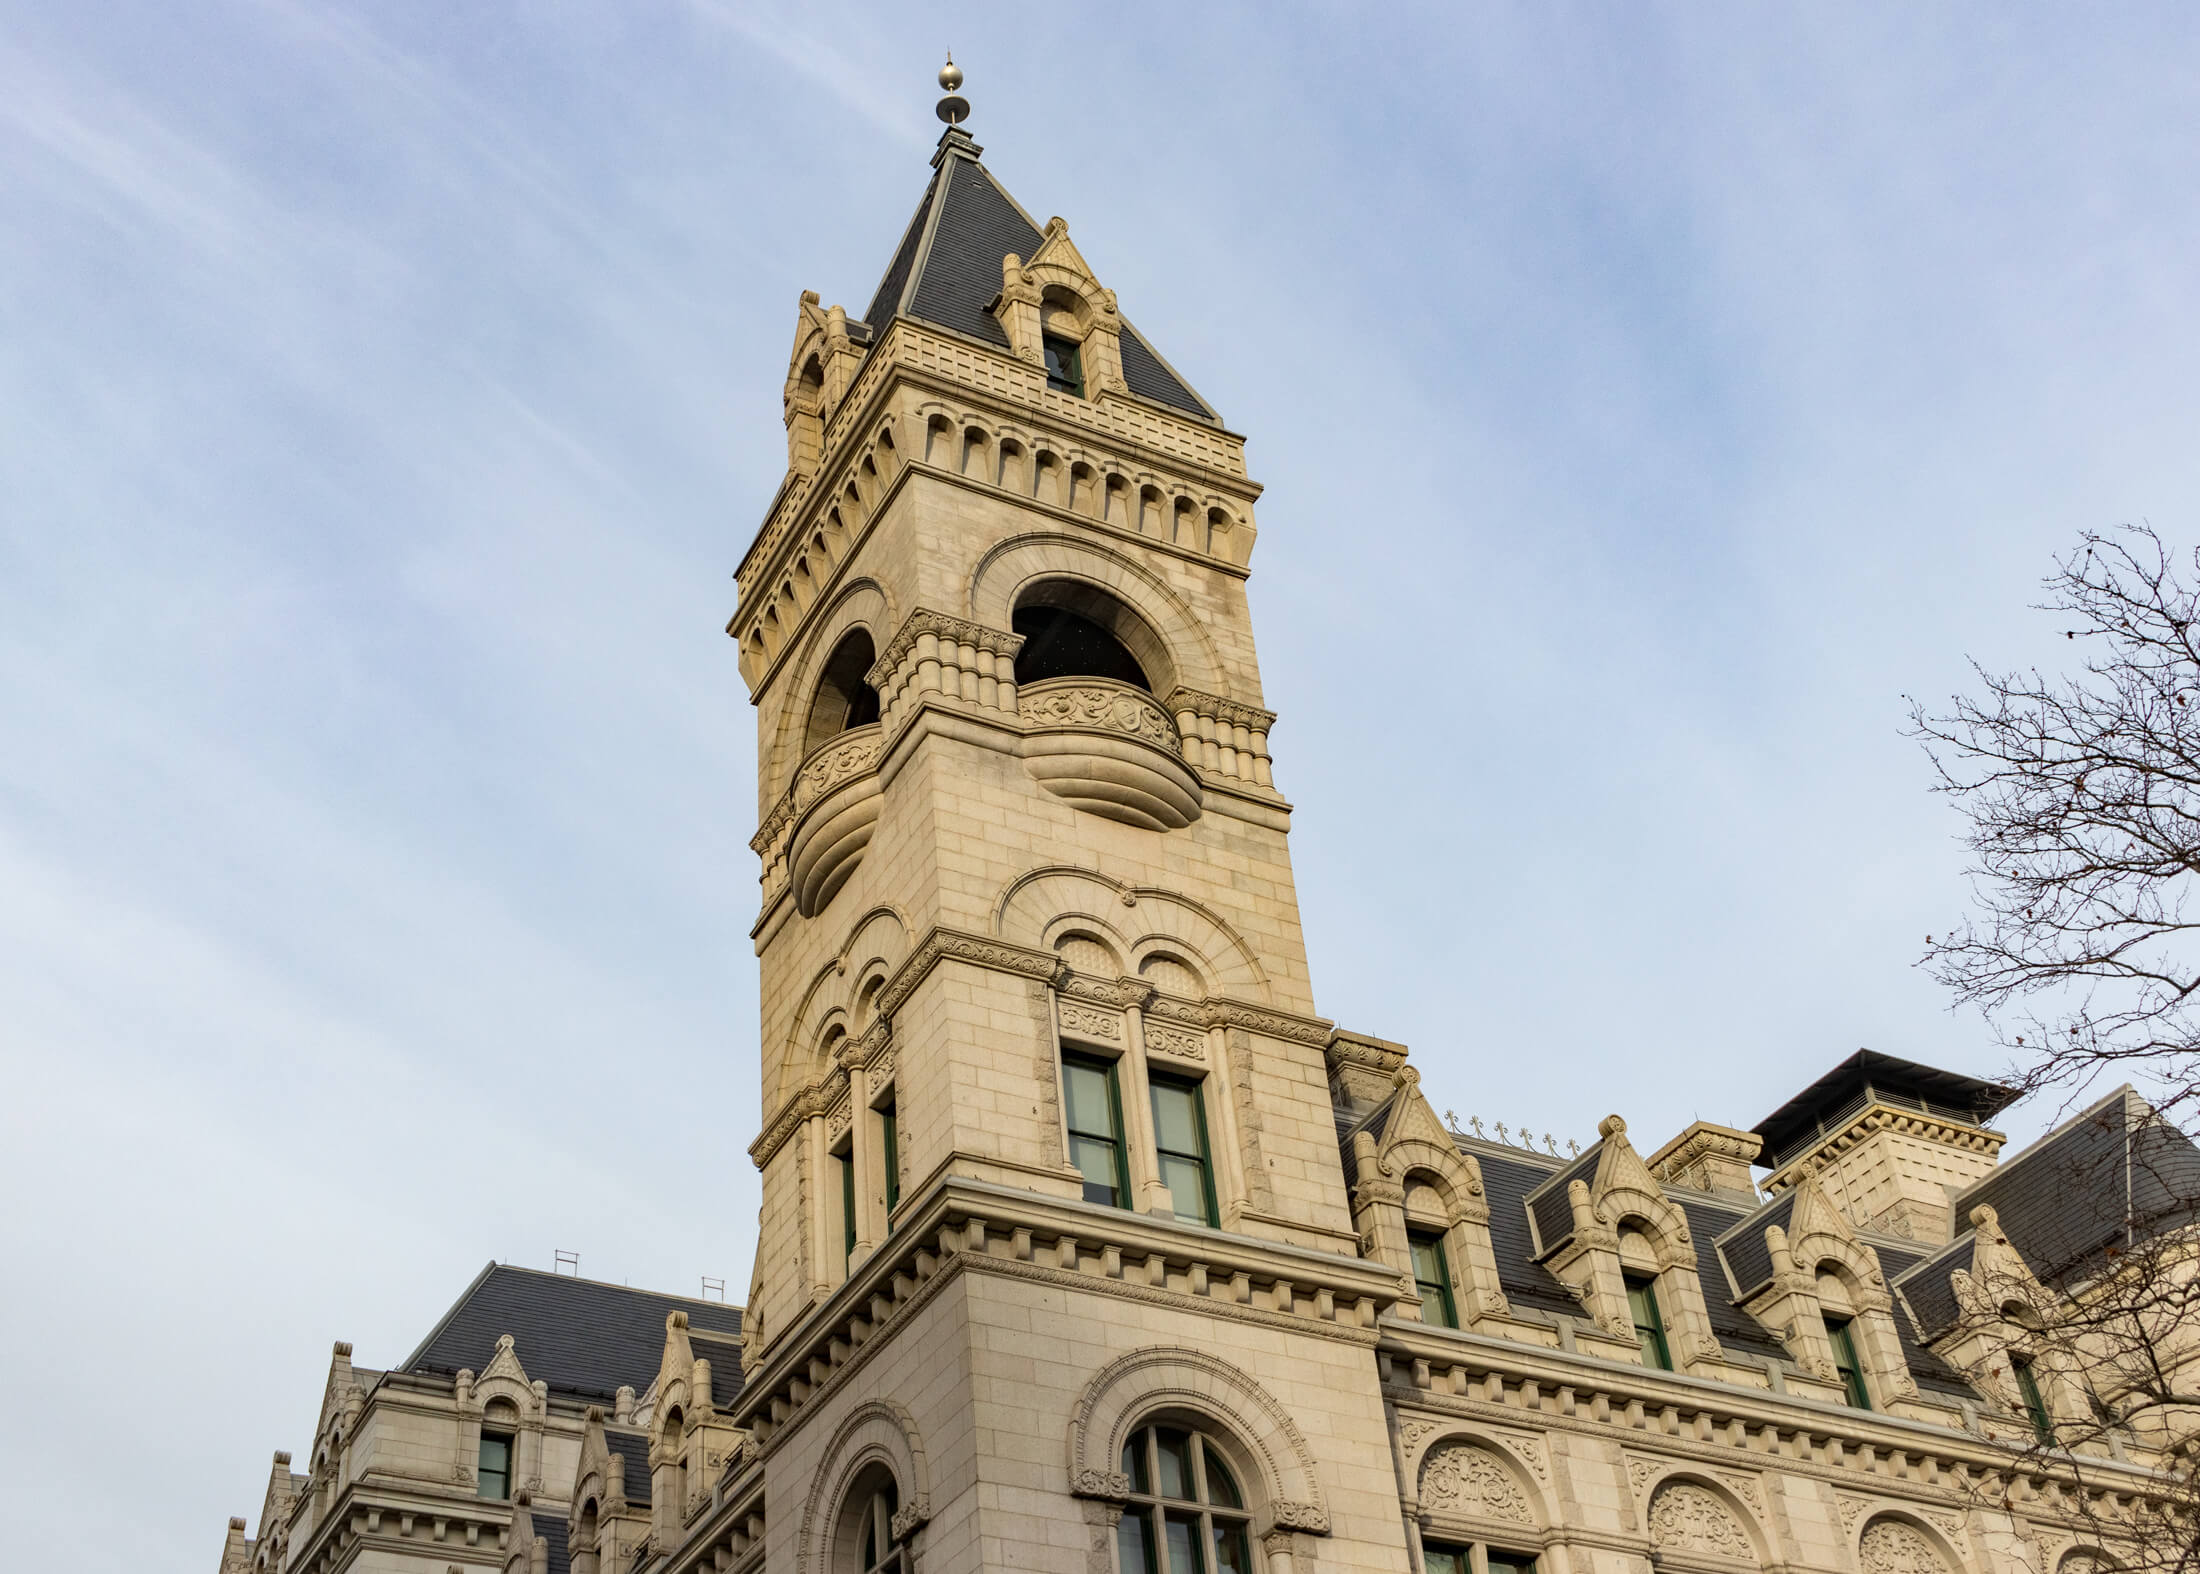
<point>1648,398</point>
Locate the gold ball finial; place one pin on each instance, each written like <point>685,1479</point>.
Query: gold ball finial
<point>953,109</point>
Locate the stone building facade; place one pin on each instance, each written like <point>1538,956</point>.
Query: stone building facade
<point>1088,1245</point>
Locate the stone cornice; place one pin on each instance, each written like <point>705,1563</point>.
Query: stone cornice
<point>869,397</point>
<point>1877,1117</point>
<point>1588,1394</point>
<point>975,1226</point>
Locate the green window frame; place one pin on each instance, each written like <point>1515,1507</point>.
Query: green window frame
<point>847,1163</point>
<point>1649,1319</point>
<point>493,1467</point>
<point>1451,1557</point>
<point>1432,1277</point>
<point>2035,1405</point>
<point>890,1149</point>
<point>1180,1147</point>
<point>1841,1334</point>
<point>1093,1110</point>
<point>1065,364</point>
<point>1185,1513</point>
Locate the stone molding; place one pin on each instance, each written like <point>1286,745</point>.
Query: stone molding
<point>880,1430</point>
<point>1123,1394</point>
<point>1096,705</point>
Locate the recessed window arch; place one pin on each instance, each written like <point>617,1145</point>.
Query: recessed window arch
<point>866,1543</point>
<point>1075,630</point>
<point>844,697</point>
<point>1187,1509</point>
<point>1171,974</point>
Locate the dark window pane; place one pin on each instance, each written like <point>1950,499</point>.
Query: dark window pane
<point>848,1206</point>
<point>1060,644</point>
<point>1134,1463</point>
<point>1096,1160</point>
<point>1182,1531</point>
<point>495,1469</point>
<point>1230,1555</point>
<point>891,1141</point>
<point>1844,1358</point>
<point>2043,1426</point>
<point>1221,1485</point>
<point>1432,1278</point>
<point>1642,1302</point>
<point>1134,1549</point>
<point>1063,370</point>
<point>1511,1563</point>
<point>1174,1453</point>
<point>1444,1560</point>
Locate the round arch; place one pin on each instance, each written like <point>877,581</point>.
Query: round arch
<point>1692,1517</point>
<point>1180,652</point>
<point>863,604</point>
<point>1534,1506</point>
<point>1161,1382</point>
<point>1903,1544</point>
<point>1138,919</point>
<point>878,1434</point>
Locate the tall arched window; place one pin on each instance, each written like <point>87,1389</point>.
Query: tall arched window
<point>845,697</point>
<point>1183,1499</point>
<point>875,1549</point>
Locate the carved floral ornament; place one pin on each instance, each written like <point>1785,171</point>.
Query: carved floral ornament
<point>1894,1546</point>
<point>1098,707</point>
<point>1687,1517</point>
<point>1466,1478</point>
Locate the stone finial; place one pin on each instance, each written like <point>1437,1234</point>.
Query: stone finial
<point>1611,1126</point>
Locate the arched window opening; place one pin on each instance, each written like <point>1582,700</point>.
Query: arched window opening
<point>870,1537</point>
<point>1428,1223</point>
<point>675,1437</point>
<point>1184,1499</point>
<point>1059,643</point>
<point>1639,1272</point>
<point>845,697</point>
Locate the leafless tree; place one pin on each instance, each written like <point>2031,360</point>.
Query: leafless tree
<point>2082,794</point>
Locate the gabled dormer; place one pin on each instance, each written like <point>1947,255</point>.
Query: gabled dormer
<point>1605,1228</point>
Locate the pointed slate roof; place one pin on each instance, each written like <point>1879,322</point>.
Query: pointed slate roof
<point>948,269</point>
<point>581,1337</point>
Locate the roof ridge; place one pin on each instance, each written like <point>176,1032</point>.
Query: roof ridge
<point>606,1284</point>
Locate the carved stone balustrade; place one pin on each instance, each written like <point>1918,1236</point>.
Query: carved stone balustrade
<point>1109,749</point>
<point>1223,737</point>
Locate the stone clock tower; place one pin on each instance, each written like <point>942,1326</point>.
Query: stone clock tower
<point>1049,1147</point>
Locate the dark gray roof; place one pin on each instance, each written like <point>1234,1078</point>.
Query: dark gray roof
<point>633,1451</point>
<point>1865,1075</point>
<point>947,269</point>
<point>583,1338</point>
<point>1743,1245</point>
<point>1552,1209</point>
<point>550,1528</point>
<point>2071,1196</point>
<point>1928,1288</point>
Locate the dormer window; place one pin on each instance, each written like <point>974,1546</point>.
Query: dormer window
<point>2035,1406</point>
<point>1432,1277</point>
<point>494,1472</point>
<point>1841,1335</point>
<point>1065,371</point>
<point>1642,1306</point>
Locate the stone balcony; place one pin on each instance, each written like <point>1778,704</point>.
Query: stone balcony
<point>1109,749</point>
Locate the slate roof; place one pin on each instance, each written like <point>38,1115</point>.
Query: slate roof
<point>583,1338</point>
<point>550,1528</point>
<point>947,269</point>
<point>1731,1258</point>
<point>1821,1108</point>
<point>2070,1196</point>
<point>633,1451</point>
